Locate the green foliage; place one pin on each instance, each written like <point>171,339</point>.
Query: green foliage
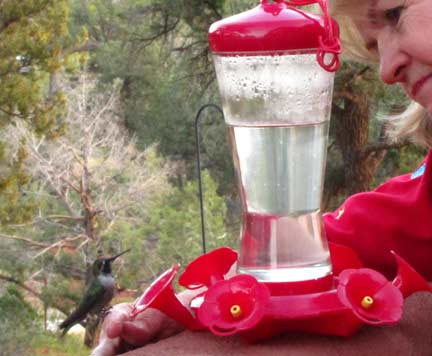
<point>398,162</point>
<point>14,206</point>
<point>168,117</point>
<point>17,322</point>
<point>12,259</point>
<point>410,158</point>
<point>59,292</point>
<point>129,234</point>
<point>174,222</point>
<point>171,232</point>
<point>13,305</point>
<point>33,37</point>
<point>160,105</point>
<point>48,344</point>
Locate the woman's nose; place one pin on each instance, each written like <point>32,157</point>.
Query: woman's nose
<point>393,61</point>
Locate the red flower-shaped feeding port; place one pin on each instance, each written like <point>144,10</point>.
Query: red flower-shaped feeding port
<point>371,297</point>
<point>408,280</point>
<point>234,305</point>
<point>151,296</point>
<point>160,295</point>
<point>208,268</point>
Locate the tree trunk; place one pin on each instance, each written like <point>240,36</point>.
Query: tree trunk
<point>350,122</point>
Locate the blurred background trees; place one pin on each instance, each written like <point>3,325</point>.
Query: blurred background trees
<point>97,107</point>
<point>33,37</point>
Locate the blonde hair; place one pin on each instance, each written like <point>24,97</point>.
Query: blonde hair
<point>414,123</point>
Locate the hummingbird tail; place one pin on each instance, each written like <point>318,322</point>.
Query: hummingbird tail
<point>63,331</point>
<point>76,317</point>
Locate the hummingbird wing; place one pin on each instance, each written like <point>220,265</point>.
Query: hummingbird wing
<point>92,301</point>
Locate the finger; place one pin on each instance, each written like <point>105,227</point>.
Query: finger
<point>137,335</point>
<point>113,323</point>
<point>106,347</point>
<point>143,328</point>
<point>150,325</point>
<point>114,329</point>
<point>109,341</point>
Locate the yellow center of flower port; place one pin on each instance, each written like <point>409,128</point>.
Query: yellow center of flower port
<point>236,311</point>
<point>367,302</point>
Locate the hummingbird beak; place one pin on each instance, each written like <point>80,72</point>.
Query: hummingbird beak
<point>111,259</point>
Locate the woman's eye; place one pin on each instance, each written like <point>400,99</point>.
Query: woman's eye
<point>393,15</point>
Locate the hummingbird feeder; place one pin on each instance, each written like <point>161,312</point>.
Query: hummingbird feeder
<point>275,68</point>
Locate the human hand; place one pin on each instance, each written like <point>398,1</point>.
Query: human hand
<point>120,333</point>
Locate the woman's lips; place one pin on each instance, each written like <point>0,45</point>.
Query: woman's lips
<point>418,85</point>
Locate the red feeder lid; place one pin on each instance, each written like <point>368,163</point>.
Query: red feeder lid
<point>277,27</point>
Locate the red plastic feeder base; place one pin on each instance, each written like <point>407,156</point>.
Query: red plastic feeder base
<point>334,305</point>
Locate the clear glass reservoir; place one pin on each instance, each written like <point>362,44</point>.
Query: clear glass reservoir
<point>277,110</point>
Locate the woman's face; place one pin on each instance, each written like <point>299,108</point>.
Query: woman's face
<point>400,32</point>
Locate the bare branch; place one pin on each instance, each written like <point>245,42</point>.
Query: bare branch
<point>64,217</point>
<point>73,151</point>
<point>13,114</point>
<point>71,185</point>
<point>24,239</point>
<point>379,146</point>
<point>60,245</point>
<point>94,171</point>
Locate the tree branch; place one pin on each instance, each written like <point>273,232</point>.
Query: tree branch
<point>379,146</point>
<point>148,40</point>
<point>12,114</point>
<point>88,46</point>
<point>64,242</point>
<point>70,184</point>
<point>23,239</point>
<point>20,284</point>
<point>64,217</point>
<point>31,291</point>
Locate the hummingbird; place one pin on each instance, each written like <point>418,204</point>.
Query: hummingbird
<point>98,294</point>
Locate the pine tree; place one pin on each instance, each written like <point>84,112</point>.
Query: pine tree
<point>33,37</point>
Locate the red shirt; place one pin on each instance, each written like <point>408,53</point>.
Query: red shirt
<point>395,216</point>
